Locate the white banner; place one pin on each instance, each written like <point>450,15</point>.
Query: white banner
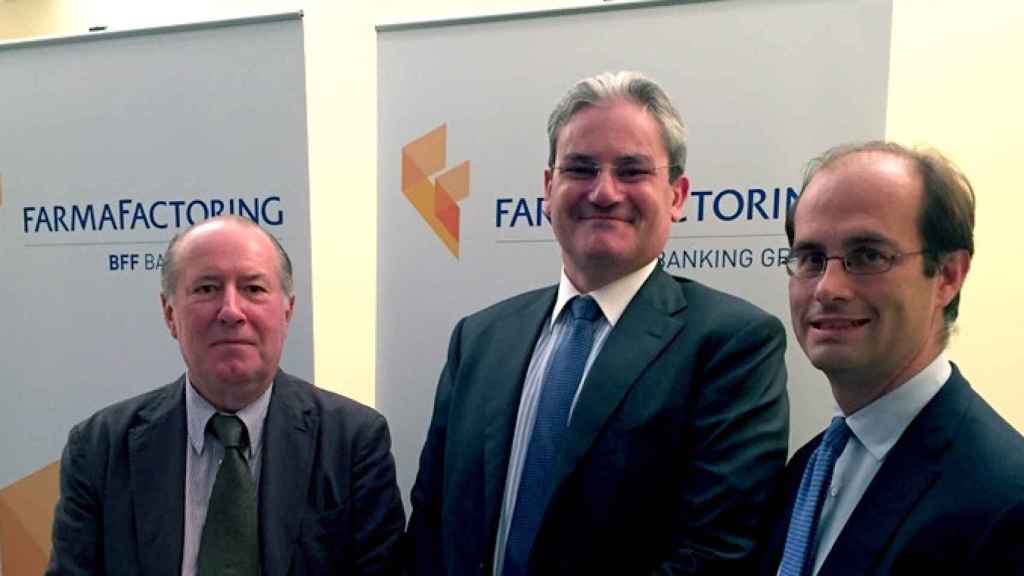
<point>763,86</point>
<point>111,144</point>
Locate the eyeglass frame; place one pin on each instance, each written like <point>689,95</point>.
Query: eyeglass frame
<point>647,171</point>
<point>890,258</point>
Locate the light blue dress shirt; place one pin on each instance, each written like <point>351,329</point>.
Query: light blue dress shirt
<point>612,299</point>
<point>876,429</point>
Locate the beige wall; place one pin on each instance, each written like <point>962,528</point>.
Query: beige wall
<point>955,84</point>
<point>23,18</point>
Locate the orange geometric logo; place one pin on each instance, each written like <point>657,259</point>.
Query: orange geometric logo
<point>437,200</point>
<point>26,521</point>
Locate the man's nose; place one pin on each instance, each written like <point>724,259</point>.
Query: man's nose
<point>606,190</point>
<point>834,283</point>
<point>230,307</point>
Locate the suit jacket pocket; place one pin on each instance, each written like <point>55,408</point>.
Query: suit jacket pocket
<point>325,542</point>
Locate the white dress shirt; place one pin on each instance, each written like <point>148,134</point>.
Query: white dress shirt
<point>612,299</point>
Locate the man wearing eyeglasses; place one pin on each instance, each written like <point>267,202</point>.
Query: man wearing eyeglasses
<point>916,474</point>
<point>623,421</point>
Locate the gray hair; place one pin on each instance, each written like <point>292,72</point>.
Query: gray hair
<point>633,87</point>
<point>169,272</point>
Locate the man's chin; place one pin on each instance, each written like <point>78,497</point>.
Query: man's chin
<point>831,360</point>
<point>236,378</point>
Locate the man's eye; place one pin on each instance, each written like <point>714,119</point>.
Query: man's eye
<point>580,171</point>
<point>205,289</point>
<point>632,173</point>
<point>866,256</point>
<point>811,259</point>
<point>256,288</point>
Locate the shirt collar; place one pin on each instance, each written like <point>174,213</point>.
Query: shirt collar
<point>198,412</point>
<point>881,423</point>
<point>612,298</point>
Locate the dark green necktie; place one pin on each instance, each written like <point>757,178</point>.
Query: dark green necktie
<point>230,542</point>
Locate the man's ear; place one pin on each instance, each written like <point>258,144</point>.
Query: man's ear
<point>680,191</point>
<point>952,272</point>
<point>290,310</point>
<point>168,307</point>
<point>547,193</point>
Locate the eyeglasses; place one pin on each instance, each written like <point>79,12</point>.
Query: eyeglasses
<point>625,172</point>
<point>861,261</point>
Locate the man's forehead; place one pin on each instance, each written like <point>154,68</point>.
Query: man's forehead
<point>874,163</point>
<point>836,236</point>
<point>219,270</point>
<point>223,248</point>
<point>221,235</point>
<point>625,128</point>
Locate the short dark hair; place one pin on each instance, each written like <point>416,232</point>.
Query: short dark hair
<point>946,221</point>
<point>169,272</point>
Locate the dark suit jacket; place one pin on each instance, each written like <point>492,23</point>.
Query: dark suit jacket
<point>328,500</point>
<point>949,498</point>
<point>679,431</point>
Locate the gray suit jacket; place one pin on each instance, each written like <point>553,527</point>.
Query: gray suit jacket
<point>328,499</point>
<point>678,435</point>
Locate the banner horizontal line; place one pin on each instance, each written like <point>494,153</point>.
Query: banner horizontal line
<point>771,235</point>
<point>695,236</point>
<point>111,243</point>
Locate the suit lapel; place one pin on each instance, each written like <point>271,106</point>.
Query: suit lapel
<point>514,344</point>
<point>909,471</point>
<point>156,448</point>
<point>648,324</point>
<point>288,438</point>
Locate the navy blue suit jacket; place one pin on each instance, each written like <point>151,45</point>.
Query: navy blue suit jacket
<point>679,432</point>
<point>949,498</point>
<point>328,499</point>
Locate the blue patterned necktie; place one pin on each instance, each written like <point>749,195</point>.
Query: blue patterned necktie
<point>798,555</point>
<point>557,391</point>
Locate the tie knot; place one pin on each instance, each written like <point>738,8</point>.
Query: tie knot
<point>837,434</point>
<point>230,430</point>
<point>584,308</point>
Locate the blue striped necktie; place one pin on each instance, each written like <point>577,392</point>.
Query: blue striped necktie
<point>798,555</point>
<point>557,391</point>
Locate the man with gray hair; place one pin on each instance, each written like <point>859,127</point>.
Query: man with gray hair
<point>622,421</point>
<point>236,467</point>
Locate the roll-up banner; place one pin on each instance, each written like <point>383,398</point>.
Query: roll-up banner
<point>113,142</point>
<point>463,105</point>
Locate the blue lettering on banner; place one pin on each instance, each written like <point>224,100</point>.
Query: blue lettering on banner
<point>131,261</point>
<point>752,204</point>
<point>725,205</point>
<point>154,261</point>
<point>123,262</point>
<point>131,214</point>
<point>524,212</point>
<point>720,258</point>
